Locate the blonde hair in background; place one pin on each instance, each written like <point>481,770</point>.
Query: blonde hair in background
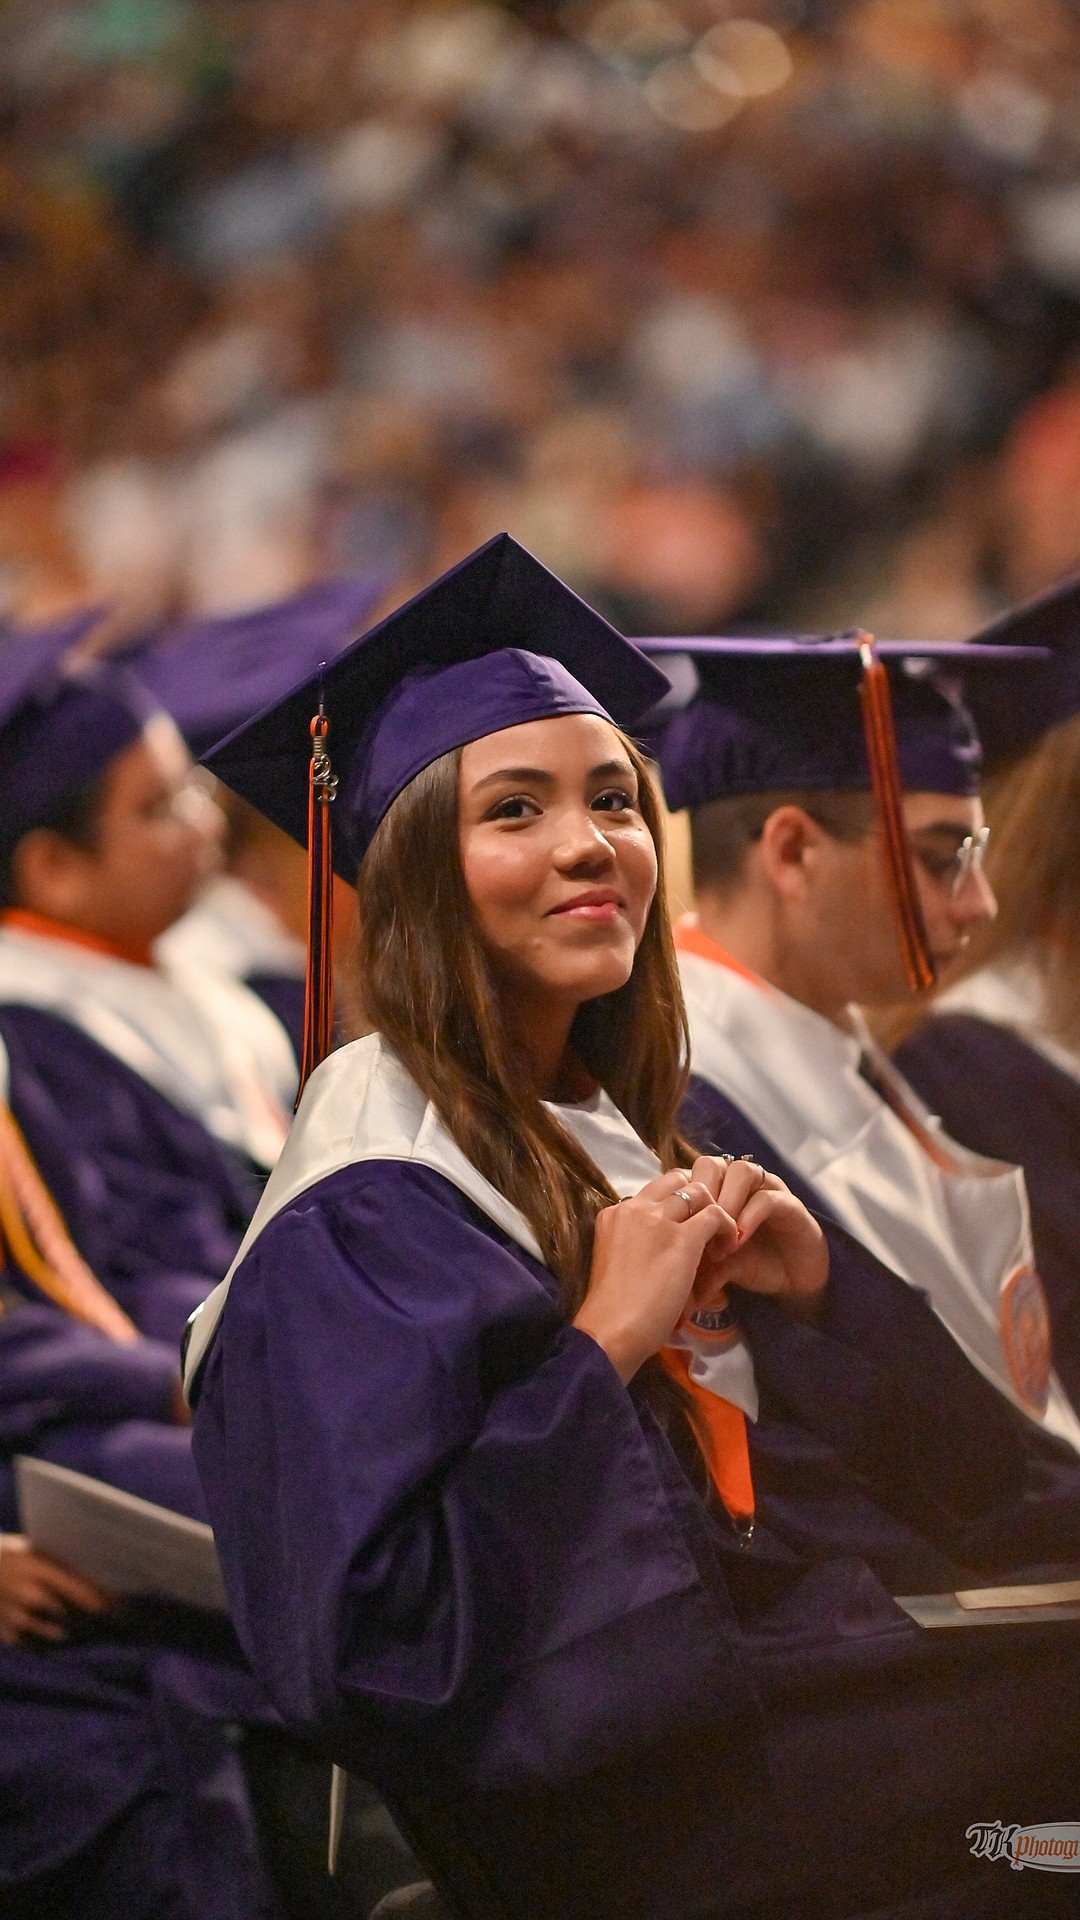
<point>1033,865</point>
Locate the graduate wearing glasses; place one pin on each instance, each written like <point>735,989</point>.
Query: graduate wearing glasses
<point>472,1404</point>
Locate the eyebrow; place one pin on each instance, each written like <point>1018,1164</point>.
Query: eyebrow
<point>538,776</point>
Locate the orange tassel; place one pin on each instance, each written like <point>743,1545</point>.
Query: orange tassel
<point>319,983</point>
<point>727,1453</point>
<point>880,733</point>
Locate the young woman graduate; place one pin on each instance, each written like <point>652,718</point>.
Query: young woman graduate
<point>472,1434</point>
<point>1000,1058</point>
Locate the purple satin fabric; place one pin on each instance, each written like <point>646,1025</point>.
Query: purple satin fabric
<point>464,1559</point>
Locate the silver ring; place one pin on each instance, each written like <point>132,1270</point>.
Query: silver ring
<point>681,1194</point>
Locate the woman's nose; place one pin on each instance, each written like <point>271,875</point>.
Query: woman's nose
<point>584,843</point>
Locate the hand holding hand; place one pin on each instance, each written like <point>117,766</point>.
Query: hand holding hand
<point>780,1249</point>
<point>35,1593</point>
<point>646,1255</point>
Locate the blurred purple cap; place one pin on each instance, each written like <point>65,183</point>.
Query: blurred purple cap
<point>1051,619</point>
<point>774,715</point>
<point>211,675</point>
<point>495,642</point>
<point>60,724</point>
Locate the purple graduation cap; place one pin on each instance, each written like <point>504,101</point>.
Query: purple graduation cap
<point>495,642</point>
<point>211,675</point>
<point>840,712</point>
<point>1050,619</point>
<point>61,722</point>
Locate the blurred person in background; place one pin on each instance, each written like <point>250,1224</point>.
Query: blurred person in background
<point>249,922</point>
<point>122,1792</point>
<point>999,1056</point>
<point>153,1096</point>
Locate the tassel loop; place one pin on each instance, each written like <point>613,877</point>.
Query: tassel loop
<point>879,729</point>
<point>319,982</point>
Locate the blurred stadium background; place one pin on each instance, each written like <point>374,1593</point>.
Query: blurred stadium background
<point>737,312</point>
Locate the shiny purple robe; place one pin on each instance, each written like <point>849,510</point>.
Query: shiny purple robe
<point>467,1562</point>
<point>154,1203</point>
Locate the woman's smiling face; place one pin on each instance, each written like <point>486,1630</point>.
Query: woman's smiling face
<point>559,864</point>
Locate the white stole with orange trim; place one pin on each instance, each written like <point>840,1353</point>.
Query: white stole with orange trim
<point>950,1222</point>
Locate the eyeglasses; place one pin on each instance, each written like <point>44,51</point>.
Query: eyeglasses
<point>953,871</point>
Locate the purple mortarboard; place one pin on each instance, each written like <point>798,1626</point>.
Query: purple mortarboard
<point>836,713</point>
<point>1051,619</point>
<point>784,714</point>
<point>494,643</point>
<point>60,725</point>
<point>211,675</point>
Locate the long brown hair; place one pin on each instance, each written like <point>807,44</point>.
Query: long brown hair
<point>1033,865</point>
<point>428,986</point>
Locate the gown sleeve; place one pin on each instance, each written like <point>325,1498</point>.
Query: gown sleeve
<point>883,1384</point>
<point>154,1204</point>
<point>441,1518</point>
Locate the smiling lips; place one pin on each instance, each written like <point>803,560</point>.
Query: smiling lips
<point>600,904</point>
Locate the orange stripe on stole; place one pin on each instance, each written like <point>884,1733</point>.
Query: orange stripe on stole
<point>723,1429</point>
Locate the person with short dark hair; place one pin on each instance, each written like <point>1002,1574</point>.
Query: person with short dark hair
<point>153,1095</point>
<point>807,910</point>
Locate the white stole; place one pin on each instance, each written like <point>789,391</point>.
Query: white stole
<point>362,1105</point>
<point>208,1044</point>
<point>961,1236</point>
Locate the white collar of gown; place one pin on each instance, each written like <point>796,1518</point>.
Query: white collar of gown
<point>208,1044</point>
<point>361,1104</point>
<point>232,931</point>
<point>795,1075</point>
<point>1011,996</point>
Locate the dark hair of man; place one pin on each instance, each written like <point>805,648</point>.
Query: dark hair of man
<point>75,818</point>
<point>723,831</point>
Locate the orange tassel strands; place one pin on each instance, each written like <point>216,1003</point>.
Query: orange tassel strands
<point>319,984</point>
<point>880,733</point>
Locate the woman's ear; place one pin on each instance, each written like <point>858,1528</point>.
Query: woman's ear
<point>51,875</point>
<point>788,851</point>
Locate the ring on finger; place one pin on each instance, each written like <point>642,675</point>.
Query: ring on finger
<point>682,1194</point>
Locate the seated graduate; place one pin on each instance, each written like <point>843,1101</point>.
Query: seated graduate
<point>472,1433</point>
<point>121,1791</point>
<point>250,921</point>
<point>1000,1060</point>
<point>798,921</point>
<point>153,1094</point>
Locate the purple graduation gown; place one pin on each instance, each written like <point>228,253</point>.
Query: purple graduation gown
<point>117,1743</point>
<point>467,1562</point>
<point>877,1436</point>
<point>1002,1097</point>
<point>154,1203</point>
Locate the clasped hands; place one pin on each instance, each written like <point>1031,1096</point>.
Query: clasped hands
<point>675,1246</point>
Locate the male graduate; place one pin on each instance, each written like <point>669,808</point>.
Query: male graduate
<point>250,922</point>
<point>927,1391</point>
<point>153,1095</point>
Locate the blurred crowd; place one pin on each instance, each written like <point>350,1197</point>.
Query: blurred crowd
<point>734,311</point>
